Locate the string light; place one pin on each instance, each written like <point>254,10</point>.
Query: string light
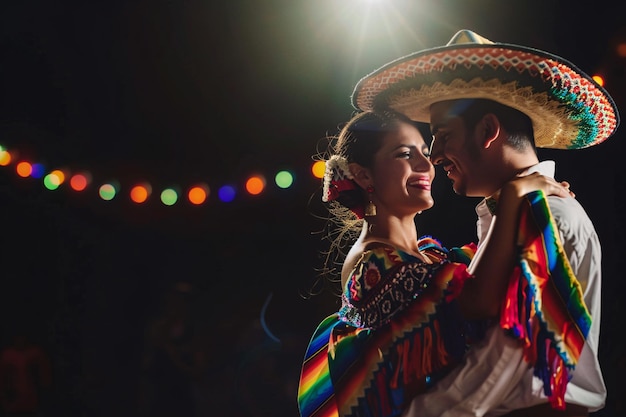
<point>140,193</point>
<point>284,179</point>
<point>599,80</point>
<point>255,185</point>
<point>37,170</point>
<point>226,193</point>
<point>79,182</point>
<point>107,192</point>
<point>53,180</point>
<point>198,194</point>
<point>23,169</point>
<point>318,169</point>
<point>169,196</point>
<point>5,158</point>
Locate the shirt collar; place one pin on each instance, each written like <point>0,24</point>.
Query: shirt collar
<point>546,168</point>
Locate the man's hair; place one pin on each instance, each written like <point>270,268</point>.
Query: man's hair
<point>517,124</point>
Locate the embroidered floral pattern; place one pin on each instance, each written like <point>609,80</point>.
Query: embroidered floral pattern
<point>372,276</point>
<point>372,298</point>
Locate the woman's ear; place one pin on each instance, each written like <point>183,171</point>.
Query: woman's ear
<point>361,175</point>
<point>492,127</point>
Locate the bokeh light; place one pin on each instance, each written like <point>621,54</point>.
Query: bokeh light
<point>198,194</point>
<point>318,169</point>
<point>58,176</point>
<point>107,192</point>
<point>599,80</point>
<point>23,169</point>
<point>255,185</point>
<point>5,158</point>
<point>80,181</point>
<point>37,170</point>
<point>169,196</point>
<point>53,180</point>
<point>226,193</point>
<point>140,193</point>
<point>284,179</point>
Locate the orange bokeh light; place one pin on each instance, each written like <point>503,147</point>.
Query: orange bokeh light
<point>599,80</point>
<point>139,193</point>
<point>255,185</point>
<point>59,176</point>
<point>198,194</point>
<point>24,169</point>
<point>5,158</point>
<point>318,169</point>
<point>79,182</point>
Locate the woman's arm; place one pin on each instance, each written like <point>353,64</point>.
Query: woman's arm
<point>493,263</point>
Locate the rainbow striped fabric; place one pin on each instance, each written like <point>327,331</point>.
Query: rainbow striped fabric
<point>544,306</point>
<point>373,371</point>
<point>359,371</point>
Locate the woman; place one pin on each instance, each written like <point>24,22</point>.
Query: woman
<point>406,302</point>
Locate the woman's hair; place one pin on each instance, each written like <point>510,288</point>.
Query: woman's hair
<point>358,142</point>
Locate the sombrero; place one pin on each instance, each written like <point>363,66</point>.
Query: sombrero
<point>569,110</point>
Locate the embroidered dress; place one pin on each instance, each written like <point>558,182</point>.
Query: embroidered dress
<point>397,332</point>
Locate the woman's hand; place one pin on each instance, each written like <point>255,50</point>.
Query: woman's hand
<point>521,186</point>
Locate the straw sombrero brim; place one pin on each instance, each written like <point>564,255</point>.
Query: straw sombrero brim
<point>569,110</point>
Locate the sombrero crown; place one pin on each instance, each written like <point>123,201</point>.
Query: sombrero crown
<point>569,110</point>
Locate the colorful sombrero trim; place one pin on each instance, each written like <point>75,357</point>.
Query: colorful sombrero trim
<point>568,109</point>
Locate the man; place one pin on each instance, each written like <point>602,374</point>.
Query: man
<point>489,105</point>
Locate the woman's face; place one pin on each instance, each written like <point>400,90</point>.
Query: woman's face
<point>403,173</point>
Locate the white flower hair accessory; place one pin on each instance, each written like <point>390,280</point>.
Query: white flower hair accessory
<point>337,178</point>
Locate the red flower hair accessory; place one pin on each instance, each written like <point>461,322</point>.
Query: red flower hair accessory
<point>337,178</point>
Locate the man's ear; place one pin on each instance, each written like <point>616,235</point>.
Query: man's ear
<point>362,176</point>
<point>491,129</point>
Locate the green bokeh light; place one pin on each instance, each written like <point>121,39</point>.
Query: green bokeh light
<point>107,192</point>
<point>169,197</point>
<point>284,179</point>
<point>51,182</point>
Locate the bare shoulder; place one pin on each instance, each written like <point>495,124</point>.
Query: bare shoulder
<point>353,257</point>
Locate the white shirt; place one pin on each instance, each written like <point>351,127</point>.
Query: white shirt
<point>494,378</point>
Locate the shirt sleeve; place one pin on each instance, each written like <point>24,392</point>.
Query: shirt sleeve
<point>495,378</point>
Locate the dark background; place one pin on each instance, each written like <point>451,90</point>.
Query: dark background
<point>183,91</point>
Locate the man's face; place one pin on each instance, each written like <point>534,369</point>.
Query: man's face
<point>456,149</point>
